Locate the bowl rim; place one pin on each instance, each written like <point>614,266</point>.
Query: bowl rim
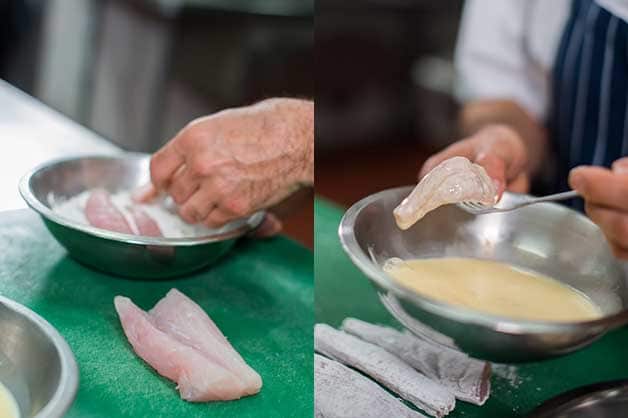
<point>459,314</point>
<point>251,222</point>
<point>65,393</point>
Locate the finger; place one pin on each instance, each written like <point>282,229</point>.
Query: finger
<point>619,252</point>
<point>218,217</point>
<point>271,226</point>
<point>600,186</point>
<point>462,148</point>
<point>183,185</point>
<point>145,193</point>
<point>521,184</point>
<point>613,223</point>
<point>496,170</point>
<point>165,163</point>
<point>197,207</point>
<point>620,166</point>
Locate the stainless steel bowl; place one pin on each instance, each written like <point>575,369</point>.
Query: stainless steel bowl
<point>546,238</point>
<point>36,364</point>
<point>599,400</point>
<point>112,252</point>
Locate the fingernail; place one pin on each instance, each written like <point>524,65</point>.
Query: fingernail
<point>620,166</point>
<point>576,180</point>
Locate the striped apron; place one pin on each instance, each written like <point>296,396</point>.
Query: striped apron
<point>589,117</point>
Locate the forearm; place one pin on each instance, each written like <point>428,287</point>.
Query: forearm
<point>479,114</point>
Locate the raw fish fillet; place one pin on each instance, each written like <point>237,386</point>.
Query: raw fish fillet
<point>182,318</point>
<point>386,368</point>
<point>340,392</point>
<point>102,213</point>
<point>467,378</point>
<point>146,225</point>
<point>454,180</point>
<point>200,376</point>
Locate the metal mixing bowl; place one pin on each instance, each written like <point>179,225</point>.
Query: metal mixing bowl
<point>36,364</point>
<point>547,238</point>
<point>112,252</point>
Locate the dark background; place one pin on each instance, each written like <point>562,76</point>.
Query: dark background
<point>384,79</point>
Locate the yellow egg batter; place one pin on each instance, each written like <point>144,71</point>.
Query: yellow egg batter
<point>8,406</point>
<point>494,288</point>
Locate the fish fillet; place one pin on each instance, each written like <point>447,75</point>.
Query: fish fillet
<point>146,225</point>
<point>340,392</point>
<point>454,180</point>
<point>200,376</point>
<point>180,317</point>
<point>102,213</point>
<point>386,368</point>
<point>467,378</point>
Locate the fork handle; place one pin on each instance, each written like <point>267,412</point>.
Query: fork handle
<point>557,196</point>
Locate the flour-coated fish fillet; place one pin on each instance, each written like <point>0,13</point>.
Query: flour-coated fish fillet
<point>467,378</point>
<point>454,180</point>
<point>102,213</point>
<point>200,376</point>
<point>340,392</point>
<point>183,319</point>
<point>146,225</point>
<point>386,368</point>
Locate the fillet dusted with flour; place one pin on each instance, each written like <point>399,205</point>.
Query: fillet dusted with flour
<point>467,378</point>
<point>102,213</point>
<point>454,180</point>
<point>340,392</point>
<point>183,344</point>
<point>386,368</point>
<point>146,225</point>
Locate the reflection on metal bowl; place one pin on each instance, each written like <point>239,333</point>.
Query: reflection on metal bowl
<point>547,238</point>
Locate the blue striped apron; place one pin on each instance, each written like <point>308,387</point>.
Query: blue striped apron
<point>589,117</point>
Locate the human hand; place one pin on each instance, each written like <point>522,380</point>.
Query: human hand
<point>606,200</point>
<point>230,164</point>
<point>497,148</point>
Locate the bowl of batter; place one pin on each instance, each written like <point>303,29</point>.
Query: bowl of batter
<point>525,285</point>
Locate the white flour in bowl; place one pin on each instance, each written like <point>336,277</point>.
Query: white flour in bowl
<point>171,225</point>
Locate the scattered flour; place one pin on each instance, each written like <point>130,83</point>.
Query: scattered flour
<point>508,373</point>
<point>171,225</point>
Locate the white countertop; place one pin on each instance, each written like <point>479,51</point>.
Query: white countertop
<point>32,133</point>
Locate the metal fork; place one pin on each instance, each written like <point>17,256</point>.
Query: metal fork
<point>477,208</point>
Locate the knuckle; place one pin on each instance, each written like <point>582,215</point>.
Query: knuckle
<point>201,166</point>
<point>237,207</point>
<point>188,213</point>
<point>223,187</point>
<point>211,222</point>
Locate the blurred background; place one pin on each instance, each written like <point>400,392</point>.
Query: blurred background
<point>136,71</point>
<point>384,97</point>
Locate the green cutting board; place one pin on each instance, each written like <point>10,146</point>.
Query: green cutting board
<point>260,295</point>
<point>342,290</point>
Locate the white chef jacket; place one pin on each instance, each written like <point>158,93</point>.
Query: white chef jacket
<point>506,49</point>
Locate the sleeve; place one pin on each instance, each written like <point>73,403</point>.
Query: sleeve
<point>491,60</point>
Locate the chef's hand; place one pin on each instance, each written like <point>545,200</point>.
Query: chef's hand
<point>497,148</point>
<point>230,164</point>
<point>606,200</point>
